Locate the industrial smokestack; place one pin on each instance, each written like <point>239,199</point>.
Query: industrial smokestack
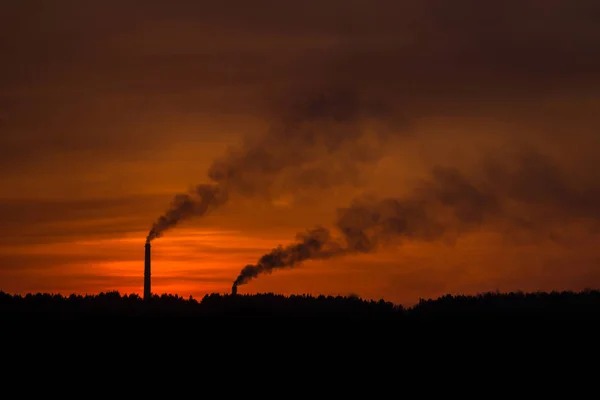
<point>234,290</point>
<point>147,290</point>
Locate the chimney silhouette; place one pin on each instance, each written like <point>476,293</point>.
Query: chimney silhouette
<point>147,289</point>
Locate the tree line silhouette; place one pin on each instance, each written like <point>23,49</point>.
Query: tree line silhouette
<point>486,306</point>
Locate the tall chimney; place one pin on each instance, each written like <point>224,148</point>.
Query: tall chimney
<point>147,291</point>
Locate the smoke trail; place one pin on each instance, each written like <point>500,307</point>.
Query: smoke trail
<point>321,138</point>
<point>366,224</point>
<point>195,203</point>
<point>444,207</point>
<point>315,244</point>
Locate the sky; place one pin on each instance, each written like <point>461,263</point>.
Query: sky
<point>457,139</point>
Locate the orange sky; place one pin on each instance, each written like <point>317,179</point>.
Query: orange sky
<point>108,110</point>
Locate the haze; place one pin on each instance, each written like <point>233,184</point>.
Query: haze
<point>108,109</point>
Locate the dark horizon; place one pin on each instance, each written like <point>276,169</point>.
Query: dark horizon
<point>497,308</point>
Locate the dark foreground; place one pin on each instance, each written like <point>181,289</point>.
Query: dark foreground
<point>252,328</point>
<point>335,342</point>
<point>489,307</point>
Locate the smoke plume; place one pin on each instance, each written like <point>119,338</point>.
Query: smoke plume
<point>321,143</point>
<point>534,196</point>
<point>195,203</point>
<point>314,244</point>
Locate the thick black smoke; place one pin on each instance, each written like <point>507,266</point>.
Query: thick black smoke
<point>366,223</point>
<point>318,143</point>
<point>315,244</point>
<point>532,196</point>
<point>196,202</point>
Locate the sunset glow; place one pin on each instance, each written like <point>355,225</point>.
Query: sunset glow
<point>481,122</point>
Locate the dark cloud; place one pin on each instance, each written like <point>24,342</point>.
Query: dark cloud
<point>81,77</point>
<point>416,52</point>
<point>29,221</point>
<point>16,211</point>
<point>538,180</point>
